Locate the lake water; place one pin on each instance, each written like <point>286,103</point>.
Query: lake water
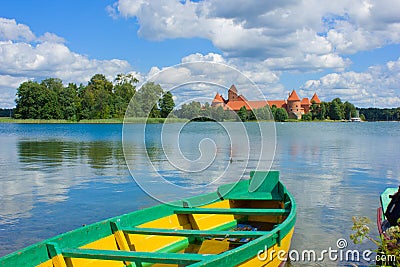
<point>57,177</point>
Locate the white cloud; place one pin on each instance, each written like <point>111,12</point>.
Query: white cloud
<point>11,30</point>
<point>24,56</point>
<point>200,57</point>
<point>7,89</point>
<point>51,37</point>
<point>203,75</point>
<point>266,38</point>
<point>377,87</point>
<point>308,34</point>
<point>307,62</point>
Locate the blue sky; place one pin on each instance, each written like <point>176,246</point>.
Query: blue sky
<point>340,49</point>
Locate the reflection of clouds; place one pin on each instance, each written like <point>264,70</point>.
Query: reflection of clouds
<point>16,202</point>
<point>338,171</point>
<point>44,171</point>
<point>196,157</point>
<point>335,171</point>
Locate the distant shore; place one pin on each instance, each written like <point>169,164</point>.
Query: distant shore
<point>94,121</point>
<point>134,120</point>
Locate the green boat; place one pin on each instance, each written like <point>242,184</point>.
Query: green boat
<point>249,223</point>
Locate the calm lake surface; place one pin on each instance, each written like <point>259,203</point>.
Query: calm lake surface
<point>57,177</point>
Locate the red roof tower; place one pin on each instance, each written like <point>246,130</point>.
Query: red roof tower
<point>315,99</point>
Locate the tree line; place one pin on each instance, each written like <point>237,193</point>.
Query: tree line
<point>337,110</point>
<point>376,114</point>
<point>333,110</point>
<point>103,99</point>
<point>6,112</point>
<point>99,99</point>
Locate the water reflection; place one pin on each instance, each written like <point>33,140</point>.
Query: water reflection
<point>335,174</point>
<point>48,169</point>
<point>74,174</point>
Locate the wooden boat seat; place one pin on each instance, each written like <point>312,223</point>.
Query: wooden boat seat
<point>213,247</point>
<point>193,233</point>
<point>233,211</point>
<point>133,256</point>
<point>262,185</point>
<point>208,247</point>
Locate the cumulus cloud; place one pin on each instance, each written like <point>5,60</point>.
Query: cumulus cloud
<point>202,75</point>
<point>24,56</point>
<point>266,38</point>
<point>376,87</point>
<point>51,37</point>
<point>11,30</point>
<point>8,84</point>
<point>306,34</point>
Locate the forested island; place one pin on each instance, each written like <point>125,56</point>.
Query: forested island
<point>103,99</point>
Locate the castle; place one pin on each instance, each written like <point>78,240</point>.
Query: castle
<point>293,105</point>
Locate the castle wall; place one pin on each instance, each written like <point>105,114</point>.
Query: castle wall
<point>294,106</point>
<point>232,96</point>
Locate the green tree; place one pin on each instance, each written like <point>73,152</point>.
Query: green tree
<point>242,114</point>
<point>87,102</point>
<point>263,113</point>
<point>124,90</point>
<point>166,104</point>
<point>228,114</point>
<point>146,100</point>
<point>349,110</point>
<point>335,112</point>
<point>28,94</point>
<point>190,111</point>
<point>97,98</point>
<point>99,82</point>
<point>128,78</point>
<point>52,108</point>
<point>53,84</point>
<point>103,108</point>
<point>251,115</point>
<point>218,114</point>
<point>205,112</point>
<point>306,117</point>
<point>69,101</point>
<point>36,101</point>
<point>319,111</point>
<point>281,114</point>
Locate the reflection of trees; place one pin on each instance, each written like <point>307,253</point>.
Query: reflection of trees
<point>154,151</point>
<point>41,154</point>
<point>99,154</point>
<point>54,154</point>
<point>46,170</point>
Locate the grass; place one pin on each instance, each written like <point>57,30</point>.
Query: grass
<point>121,120</point>
<point>98,121</point>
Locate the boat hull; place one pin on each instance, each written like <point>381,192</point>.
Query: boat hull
<point>275,256</point>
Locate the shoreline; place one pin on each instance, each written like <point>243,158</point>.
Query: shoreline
<point>94,121</point>
<point>138,121</point>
